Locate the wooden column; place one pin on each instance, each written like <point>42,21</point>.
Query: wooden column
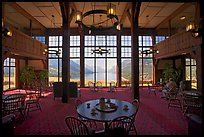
<point>135,49</point>
<point>65,50</point>
<point>154,65</point>
<point>118,67</point>
<point>202,35</point>
<point>82,73</point>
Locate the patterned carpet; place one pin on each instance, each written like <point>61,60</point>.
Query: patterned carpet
<point>153,117</point>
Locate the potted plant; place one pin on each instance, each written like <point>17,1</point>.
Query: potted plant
<point>170,72</point>
<point>43,75</point>
<point>27,76</point>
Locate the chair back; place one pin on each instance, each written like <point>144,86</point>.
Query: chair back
<point>77,102</point>
<point>122,123</point>
<point>76,126</point>
<point>136,103</point>
<point>13,102</point>
<point>90,84</point>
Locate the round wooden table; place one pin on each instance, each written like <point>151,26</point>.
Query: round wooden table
<point>105,116</point>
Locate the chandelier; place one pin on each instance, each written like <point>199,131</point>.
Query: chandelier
<point>100,51</point>
<point>150,51</point>
<point>110,15</point>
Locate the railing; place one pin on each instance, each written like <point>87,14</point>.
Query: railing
<point>177,44</point>
<point>23,45</point>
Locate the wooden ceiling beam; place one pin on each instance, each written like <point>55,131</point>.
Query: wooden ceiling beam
<point>65,13</point>
<point>125,13</point>
<point>26,14</point>
<point>176,12</point>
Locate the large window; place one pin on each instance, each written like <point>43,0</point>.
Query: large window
<point>160,38</point>
<point>126,59</point>
<point>145,61</point>
<point>55,61</point>
<point>75,59</point>
<point>9,81</point>
<point>191,72</point>
<point>100,67</point>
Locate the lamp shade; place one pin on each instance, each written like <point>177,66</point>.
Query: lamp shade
<point>191,26</point>
<point>111,9</point>
<point>78,16</point>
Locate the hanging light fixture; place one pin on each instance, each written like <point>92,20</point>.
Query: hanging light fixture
<point>110,13</point>
<point>190,26</point>
<point>150,51</point>
<point>56,52</point>
<point>100,51</point>
<point>78,17</point>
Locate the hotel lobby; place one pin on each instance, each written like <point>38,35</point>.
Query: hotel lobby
<point>78,68</point>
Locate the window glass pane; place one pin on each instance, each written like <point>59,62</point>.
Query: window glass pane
<point>147,41</point>
<point>53,70</point>
<point>111,70</point>
<point>89,70</point>
<point>89,41</point>
<point>12,77</point>
<point>74,52</point>
<point>188,73</point>
<point>6,78</point>
<point>188,61</point>
<point>159,38</point>
<point>194,79</point>
<point>111,41</point>
<point>53,40</point>
<point>126,71</point>
<point>193,62</point>
<point>100,70</point>
<point>75,71</point>
<point>100,40</point>
<point>147,71</point>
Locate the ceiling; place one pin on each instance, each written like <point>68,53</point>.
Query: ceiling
<point>152,14</point>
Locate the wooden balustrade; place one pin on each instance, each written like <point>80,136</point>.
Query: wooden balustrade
<point>177,44</point>
<point>23,45</point>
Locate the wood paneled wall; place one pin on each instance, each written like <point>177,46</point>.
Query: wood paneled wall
<point>177,44</point>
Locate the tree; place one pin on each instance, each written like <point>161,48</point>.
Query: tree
<point>27,75</point>
<point>170,72</point>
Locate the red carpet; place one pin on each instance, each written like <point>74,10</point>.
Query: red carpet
<point>153,118</point>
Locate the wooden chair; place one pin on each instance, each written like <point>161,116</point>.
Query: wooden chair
<point>191,103</point>
<point>174,98</point>
<point>151,89</point>
<point>77,126</point>
<point>14,103</point>
<point>135,102</point>
<point>32,102</point>
<point>99,85</point>
<point>120,126</point>
<point>91,85</point>
<point>90,123</point>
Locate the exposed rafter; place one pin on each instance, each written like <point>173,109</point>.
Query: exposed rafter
<point>65,13</point>
<point>26,14</point>
<point>183,7</point>
<point>125,13</point>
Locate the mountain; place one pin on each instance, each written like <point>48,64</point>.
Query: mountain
<point>74,68</point>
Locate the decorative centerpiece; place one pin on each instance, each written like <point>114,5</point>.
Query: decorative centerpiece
<point>105,106</point>
<point>102,103</point>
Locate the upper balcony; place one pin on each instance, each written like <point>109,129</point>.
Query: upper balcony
<point>178,44</point>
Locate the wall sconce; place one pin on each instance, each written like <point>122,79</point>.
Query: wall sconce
<point>56,52</point>
<point>194,29</point>
<point>7,32</point>
<point>100,51</point>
